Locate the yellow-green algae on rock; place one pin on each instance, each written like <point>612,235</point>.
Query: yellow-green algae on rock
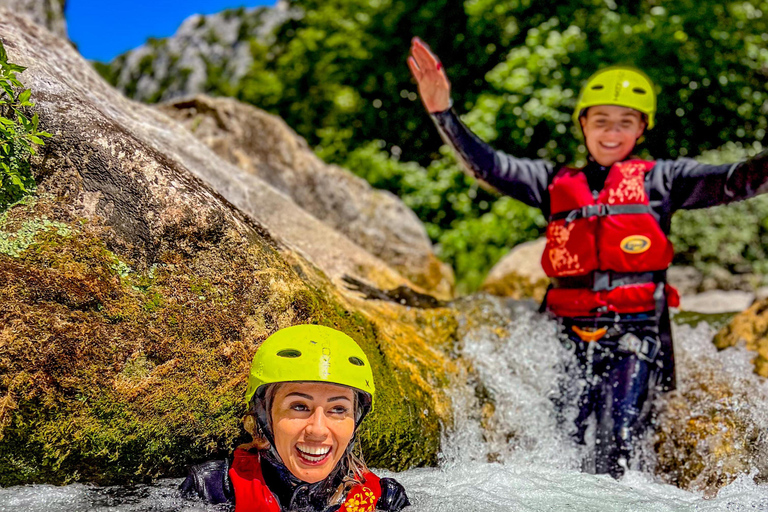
<point>750,327</point>
<point>109,374</point>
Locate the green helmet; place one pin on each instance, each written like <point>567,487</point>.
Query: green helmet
<point>618,85</point>
<point>311,353</point>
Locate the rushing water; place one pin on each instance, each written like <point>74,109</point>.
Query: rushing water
<point>505,451</point>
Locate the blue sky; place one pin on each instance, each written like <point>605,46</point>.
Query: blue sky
<point>103,30</point>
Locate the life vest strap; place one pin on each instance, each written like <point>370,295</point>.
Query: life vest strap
<point>599,210</point>
<point>608,280</point>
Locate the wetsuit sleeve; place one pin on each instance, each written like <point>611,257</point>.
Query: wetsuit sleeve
<point>696,185</point>
<point>524,179</point>
<point>209,481</point>
<point>393,497</point>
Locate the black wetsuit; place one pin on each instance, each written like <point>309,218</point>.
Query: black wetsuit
<point>210,481</point>
<point>619,376</point>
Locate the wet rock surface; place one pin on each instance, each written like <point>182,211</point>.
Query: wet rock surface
<point>750,328</point>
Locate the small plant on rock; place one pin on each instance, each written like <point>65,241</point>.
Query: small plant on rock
<point>18,134</point>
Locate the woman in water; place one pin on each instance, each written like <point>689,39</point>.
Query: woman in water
<point>308,390</point>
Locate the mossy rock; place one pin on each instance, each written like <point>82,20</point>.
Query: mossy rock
<point>113,375</point>
<point>751,328</point>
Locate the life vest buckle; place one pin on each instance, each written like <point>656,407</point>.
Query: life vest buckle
<point>589,333</point>
<point>601,280</point>
<point>593,210</point>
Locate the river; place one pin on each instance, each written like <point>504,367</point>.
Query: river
<point>505,451</point>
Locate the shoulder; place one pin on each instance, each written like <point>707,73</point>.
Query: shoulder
<point>208,481</point>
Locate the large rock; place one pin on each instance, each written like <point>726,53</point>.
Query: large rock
<point>751,328</point>
<point>519,274</point>
<point>133,294</point>
<point>48,13</point>
<point>717,301</point>
<point>263,145</point>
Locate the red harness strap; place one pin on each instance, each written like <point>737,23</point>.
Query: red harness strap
<point>253,495</point>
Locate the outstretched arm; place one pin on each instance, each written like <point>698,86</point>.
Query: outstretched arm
<point>525,180</point>
<point>696,185</point>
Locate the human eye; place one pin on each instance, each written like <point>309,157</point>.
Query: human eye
<point>299,407</point>
<point>339,410</point>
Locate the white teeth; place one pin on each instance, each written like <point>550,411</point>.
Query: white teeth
<point>313,450</point>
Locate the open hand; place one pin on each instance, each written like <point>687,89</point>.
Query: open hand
<point>434,87</point>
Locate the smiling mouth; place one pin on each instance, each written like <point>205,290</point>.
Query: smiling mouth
<point>313,454</point>
<point>610,145</point>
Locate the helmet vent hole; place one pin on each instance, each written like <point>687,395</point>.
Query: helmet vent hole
<point>356,361</point>
<point>638,90</point>
<point>290,353</point>
<point>597,87</point>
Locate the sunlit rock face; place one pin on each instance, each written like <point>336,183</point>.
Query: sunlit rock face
<point>263,145</point>
<point>138,283</point>
<point>519,274</point>
<point>750,328</point>
<point>204,46</point>
<point>48,13</point>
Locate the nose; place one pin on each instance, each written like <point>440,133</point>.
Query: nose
<point>317,426</point>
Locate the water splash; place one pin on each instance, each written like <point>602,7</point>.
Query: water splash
<point>506,452</point>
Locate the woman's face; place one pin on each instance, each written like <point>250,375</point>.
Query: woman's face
<point>611,132</point>
<point>313,424</point>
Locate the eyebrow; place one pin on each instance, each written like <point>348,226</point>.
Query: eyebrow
<point>310,397</point>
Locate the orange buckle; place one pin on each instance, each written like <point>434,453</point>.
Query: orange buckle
<point>590,334</point>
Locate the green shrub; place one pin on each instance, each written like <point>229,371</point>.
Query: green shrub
<point>18,134</point>
<point>732,237</point>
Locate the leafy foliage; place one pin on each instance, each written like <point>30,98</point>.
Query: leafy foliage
<point>18,134</point>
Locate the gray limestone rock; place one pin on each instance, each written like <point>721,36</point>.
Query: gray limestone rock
<point>48,13</point>
<point>203,47</point>
<point>263,145</point>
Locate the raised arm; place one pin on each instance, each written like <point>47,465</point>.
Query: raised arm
<point>695,185</point>
<point>525,180</point>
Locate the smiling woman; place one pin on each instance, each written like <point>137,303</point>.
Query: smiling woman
<point>309,389</point>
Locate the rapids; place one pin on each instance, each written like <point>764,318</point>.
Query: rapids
<point>505,451</point>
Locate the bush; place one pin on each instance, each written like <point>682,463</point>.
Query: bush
<point>18,134</point>
<point>732,237</point>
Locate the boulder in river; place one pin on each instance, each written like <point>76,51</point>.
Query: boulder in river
<point>519,274</point>
<point>133,294</point>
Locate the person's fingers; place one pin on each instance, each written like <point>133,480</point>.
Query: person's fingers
<point>415,70</point>
<point>425,58</point>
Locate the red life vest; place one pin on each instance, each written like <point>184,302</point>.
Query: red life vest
<point>253,495</point>
<point>599,239</point>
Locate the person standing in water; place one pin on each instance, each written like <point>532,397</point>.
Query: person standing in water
<point>607,249</point>
<point>309,388</point>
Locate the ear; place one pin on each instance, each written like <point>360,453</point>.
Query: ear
<point>640,131</point>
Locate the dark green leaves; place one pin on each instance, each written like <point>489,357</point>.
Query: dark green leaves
<point>18,134</point>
